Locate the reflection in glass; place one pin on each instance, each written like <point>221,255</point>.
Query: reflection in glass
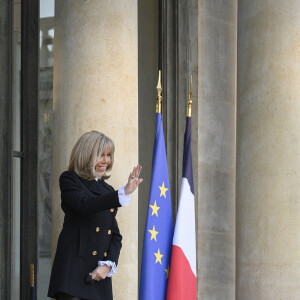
<point>45,144</point>
<point>16,146</point>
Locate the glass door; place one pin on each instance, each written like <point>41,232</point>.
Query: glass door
<point>31,146</point>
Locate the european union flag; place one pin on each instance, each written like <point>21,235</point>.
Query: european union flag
<point>159,225</point>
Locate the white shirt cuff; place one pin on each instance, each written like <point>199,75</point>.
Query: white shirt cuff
<point>109,264</point>
<point>123,199</point>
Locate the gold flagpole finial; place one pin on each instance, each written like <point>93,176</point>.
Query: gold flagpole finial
<point>189,105</point>
<point>31,274</point>
<point>159,97</point>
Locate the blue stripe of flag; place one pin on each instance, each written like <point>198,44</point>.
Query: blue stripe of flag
<point>187,171</point>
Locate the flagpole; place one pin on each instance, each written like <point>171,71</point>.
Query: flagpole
<point>189,105</point>
<point>158,233</point>
<point>182,284</point>
<point>159,97</point>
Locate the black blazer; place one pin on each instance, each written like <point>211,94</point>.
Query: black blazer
<point>90,233</point>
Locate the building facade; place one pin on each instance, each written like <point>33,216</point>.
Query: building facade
<point>71,66</point>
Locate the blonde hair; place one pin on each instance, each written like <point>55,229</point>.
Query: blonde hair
<point>87,151</point>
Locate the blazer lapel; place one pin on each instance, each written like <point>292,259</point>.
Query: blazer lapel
<point>97,187</point>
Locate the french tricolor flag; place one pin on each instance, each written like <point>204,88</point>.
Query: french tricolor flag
<point>182,284</point>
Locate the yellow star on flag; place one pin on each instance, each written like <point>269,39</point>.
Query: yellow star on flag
<point>155,208</point>
<point>153,233</point>
<point>167,271</point>
<point>163,190</point>
<point>158,256</point>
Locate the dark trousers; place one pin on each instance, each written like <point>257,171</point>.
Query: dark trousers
<point>63,296</point>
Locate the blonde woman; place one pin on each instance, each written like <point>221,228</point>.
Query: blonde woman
<point>89,244</point>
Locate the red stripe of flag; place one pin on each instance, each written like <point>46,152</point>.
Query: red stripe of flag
<point>182,284</point>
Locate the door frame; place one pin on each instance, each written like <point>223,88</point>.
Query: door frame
<point>29,144</point>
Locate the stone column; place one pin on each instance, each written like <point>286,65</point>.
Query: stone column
<point>95,88</point>
<point>217,38</point>
<point>268,144</point>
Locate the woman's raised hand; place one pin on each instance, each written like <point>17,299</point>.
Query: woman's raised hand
<point>133,180</point>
